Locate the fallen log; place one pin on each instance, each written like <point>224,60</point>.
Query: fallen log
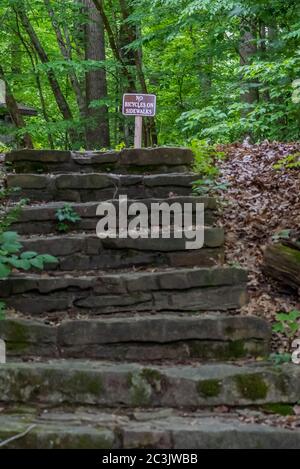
<point>282,262</point>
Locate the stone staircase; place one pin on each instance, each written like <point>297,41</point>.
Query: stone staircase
<point>130,343</point>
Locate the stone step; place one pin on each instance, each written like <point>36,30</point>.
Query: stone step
<point>89,428</point>
<point>41,219</point>
<point>88,252</point>
<point>76,187</point>
<point>142,338</point>
<point>162,160</point>
<point>132,385</point>
<point>198,289</point>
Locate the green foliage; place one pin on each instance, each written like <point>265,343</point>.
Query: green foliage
<point>120,146</point>
<point>289,162</point>
<point>287,323</point>
<point>12,257</point>
<point>9,213</point>
<point>204,187</point>
<point>66,217</point>
<point>296,92</point>
<point>283,234</point>
<point>206,157</point>
<point>280,358</point>
<point>4,148</point>
<point>192,62</point>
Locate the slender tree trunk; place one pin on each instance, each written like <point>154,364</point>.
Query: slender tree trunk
<point>33,59</point>
<point>129,34</point>
<point>113,44</point>
<point>67,54</point>
<point>97,133</point>
<point>56,89</point>
<point>247,50</point>
<point>265,95</point>
<point>14,112</point>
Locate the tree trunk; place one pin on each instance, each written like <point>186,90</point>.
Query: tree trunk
<point>56,89</point>
<point>33,60</point>
<point>67,54</point>
<point>97,133</point>
<point>14,112</point>
<point>130,33</point>
<point>247,50</point>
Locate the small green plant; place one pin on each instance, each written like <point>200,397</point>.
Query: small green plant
<point>4,148</point>
<point>283,234</point>
<point>12,257</point>
<point>120,146</point>
<point>287,323</point>
<point>9,213</point>
<point>288,162</point>
<point>206,157</point>
<point>207,186</point>
<point>280,358</point>
<point>66,217</point>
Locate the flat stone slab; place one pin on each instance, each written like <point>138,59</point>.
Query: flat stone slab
<point>77,187</point>
<point>41,219</point>
<point>165,429</point>
<point>160,336</point>
<point>132,385</point>
<point>88,252</point>
<point>161,159</point>
<point>198,289</point>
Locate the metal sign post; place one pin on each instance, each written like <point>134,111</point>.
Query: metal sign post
<point>139,106</point>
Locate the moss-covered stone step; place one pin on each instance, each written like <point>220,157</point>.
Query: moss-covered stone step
<point>88,252</point>
<point>76,187</point>
<point>41,219</point>
<point>198,289</point>
<point>158,429</point>
<point>161,159</point>
<point>133,385</point>
<point>141,338</point>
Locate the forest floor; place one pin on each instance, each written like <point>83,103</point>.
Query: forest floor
<point>259,202</point>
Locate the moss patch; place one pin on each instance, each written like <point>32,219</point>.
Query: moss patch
<point>151,375</point>
<point>251,386</point>
<point>290,252</point>
<point>218,350</point>
<point>17,337</point>
<point>209,388</point>
<point>82,382</point>
<point>280,409</point>
<point>140,390</point>
<point>236,349</point>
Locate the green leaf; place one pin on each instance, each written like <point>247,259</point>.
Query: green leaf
<point>4,270</point>
<point>282,317</point>
<point>28,255</point>
<point>37,262</point>
<point>278,327</point>
<point>11,248</point>
<point>48,259</point>
<point>23,264</point>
